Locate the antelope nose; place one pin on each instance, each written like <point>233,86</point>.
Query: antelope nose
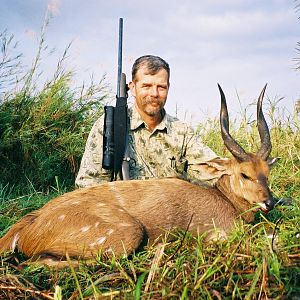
<point>269,204</point>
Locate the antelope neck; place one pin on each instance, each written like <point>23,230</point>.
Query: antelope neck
<point>241,205</point>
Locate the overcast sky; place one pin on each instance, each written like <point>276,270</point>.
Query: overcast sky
<point>241,44</point>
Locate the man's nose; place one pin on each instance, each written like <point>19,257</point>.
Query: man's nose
<point>154,91</point>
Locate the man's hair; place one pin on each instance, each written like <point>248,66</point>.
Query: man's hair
<point>153,64</point>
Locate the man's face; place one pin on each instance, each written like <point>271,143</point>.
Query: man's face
<point>150,91</point>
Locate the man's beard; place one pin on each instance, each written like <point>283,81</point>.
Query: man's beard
<point>152,111</point>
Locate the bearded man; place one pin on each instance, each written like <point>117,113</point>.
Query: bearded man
<point>159,145</point>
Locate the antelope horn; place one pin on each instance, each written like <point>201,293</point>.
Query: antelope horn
<point>236,150</point>
<point>266,146</point>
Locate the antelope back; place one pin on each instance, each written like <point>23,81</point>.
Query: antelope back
<point>117,217</point>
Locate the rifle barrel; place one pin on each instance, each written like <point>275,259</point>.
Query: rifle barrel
<point>120,56</point>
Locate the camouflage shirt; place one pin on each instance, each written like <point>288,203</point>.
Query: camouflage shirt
<point>164,152</point>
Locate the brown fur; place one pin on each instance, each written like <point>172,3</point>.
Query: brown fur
<point>118,216</point>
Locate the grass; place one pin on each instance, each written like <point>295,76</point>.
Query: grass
<point>250,265</point>
<point>44,123</point>
<point>258,261</point>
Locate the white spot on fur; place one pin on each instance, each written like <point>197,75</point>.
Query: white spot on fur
<point>15,241</point>
<point>101,240</point>
<point>85,228</point>
<point>110,231</point>
<point>117,193</point>
<point>109,250</point>
<point>121,209</point>
<point>97,224</point>
<point>100,204</point>
<point>125,224</point>
<point>75,202</point>
<point>62,217</point>
<point>92,244</point>
<point>242,186</point>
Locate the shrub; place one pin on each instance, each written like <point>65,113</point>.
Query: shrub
<point>43,131</point>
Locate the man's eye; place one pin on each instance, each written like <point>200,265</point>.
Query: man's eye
<point>245,176</point>
<point>162,87</point>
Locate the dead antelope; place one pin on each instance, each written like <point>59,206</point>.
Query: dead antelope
<point>118,216</point>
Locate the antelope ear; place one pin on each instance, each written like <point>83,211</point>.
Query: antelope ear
<point>272,161</point>
<point>212,169</point>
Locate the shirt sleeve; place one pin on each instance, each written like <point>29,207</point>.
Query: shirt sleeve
<point>197,152</point>
<point>91,171</point>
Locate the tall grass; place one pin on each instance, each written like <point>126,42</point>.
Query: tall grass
<point>43,128</point>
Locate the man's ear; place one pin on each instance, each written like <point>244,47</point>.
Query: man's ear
<point>212,169</point>
<point>131,86</point>
<point>272,161</point>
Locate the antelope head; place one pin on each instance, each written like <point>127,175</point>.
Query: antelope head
<point>244,178</point>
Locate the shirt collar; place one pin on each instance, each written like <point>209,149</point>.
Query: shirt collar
<point>136,120</point>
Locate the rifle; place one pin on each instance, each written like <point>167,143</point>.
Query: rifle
<point>115,135</point>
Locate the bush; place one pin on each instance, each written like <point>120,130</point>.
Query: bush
<point>43,132</point>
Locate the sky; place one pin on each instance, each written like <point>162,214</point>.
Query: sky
<point>241,44</point>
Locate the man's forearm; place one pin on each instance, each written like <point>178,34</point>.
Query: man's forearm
<point>91,171</point>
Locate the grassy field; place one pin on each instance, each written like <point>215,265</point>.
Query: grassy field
<point>258,261</point>
<point>39,155</point>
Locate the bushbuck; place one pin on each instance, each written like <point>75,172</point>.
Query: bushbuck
<point>119,216</point>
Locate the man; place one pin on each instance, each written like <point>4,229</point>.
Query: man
<point>159,145</point>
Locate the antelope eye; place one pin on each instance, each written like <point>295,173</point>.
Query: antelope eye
<point>245,176</point>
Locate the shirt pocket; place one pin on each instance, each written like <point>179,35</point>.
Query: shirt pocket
<point>97,158</point>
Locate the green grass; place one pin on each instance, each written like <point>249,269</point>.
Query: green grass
<point>44,125</point>
<point>250,265</point>
<point>258,261</point>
